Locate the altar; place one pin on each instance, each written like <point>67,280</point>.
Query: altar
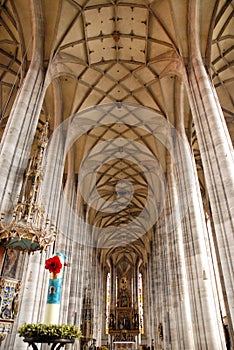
<point>124,320</point>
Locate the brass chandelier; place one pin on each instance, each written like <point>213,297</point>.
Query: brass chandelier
<point>29,230</point>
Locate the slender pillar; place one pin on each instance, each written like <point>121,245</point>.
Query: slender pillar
<point>80,246</point>
<point>30,298</point>
<point>151,299</point>
<point>21,126</point>
<point>217,158</point>
<point>51,193</point>
<point>155,293</point>
<point>181,328</point>
<point>158,281</point>
<point>205,318</point>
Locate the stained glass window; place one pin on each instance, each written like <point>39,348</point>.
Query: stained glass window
<point>140,304</point>
<point>107,301</point>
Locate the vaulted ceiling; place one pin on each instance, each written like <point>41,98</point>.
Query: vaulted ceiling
<point>101,51</point>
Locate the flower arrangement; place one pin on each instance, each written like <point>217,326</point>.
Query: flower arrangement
<point>49,331</point>
<point>53,264</point>
<point>103,347</point>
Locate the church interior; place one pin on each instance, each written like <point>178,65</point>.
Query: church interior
<point>117,173</point>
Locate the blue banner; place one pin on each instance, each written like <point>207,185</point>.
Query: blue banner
<point>54,291</point>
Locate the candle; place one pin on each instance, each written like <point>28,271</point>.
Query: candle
<point>55,266</point>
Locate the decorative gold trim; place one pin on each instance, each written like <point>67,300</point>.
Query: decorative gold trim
<point>29,229</point>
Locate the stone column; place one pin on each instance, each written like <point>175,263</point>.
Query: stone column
<point>99,297</point>
<point>158,282</point>
<point>14,153</point>
<point>217,157</point>
<point>113,286</point>
<point>21,126</point>
<point>167,314</point>
<point>103,283</point>
<point>155,293</point>
<point>64,239</point>
<point>51,192</point>
<point>204,311</point>
<point>80,245</point>
<point>77,271</point>
<point>148,299</point>
<point>179,312</point>
<point>30,298</point>
<point>181,327</point>
<point>135,283</point>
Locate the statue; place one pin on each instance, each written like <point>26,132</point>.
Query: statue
<point>160,331</point>
<point>112,321</point>
<point>136,320</point>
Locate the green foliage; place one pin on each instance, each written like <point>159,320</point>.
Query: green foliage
<point>103,347</point>
<point>51,331</point>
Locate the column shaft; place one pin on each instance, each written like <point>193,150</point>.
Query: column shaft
<point>21,126</point>
<point>217,156</point>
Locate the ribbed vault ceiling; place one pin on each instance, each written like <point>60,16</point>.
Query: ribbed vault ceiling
<point>98,52</point>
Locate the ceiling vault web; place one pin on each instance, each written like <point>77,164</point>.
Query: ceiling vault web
<point>97,52</point>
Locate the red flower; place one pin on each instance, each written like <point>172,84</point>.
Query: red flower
<point>53,264</point>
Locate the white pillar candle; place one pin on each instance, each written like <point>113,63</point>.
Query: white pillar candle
<point>54,291</point>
